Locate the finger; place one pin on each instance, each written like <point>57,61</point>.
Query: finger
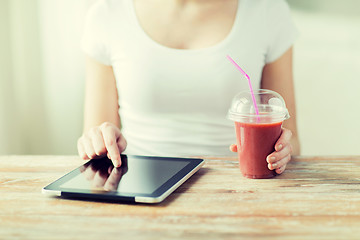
<point>282,162</point>
<point>233,147</point>
<point>280,170</point>
<point>88,147</point>
<point>89,150</point>
<point>81,150</point>
<point>110,140</point>
<point>284,139</point>
<point>277,156</point>
<point>112,182</point>
<point>97,142</point>
<point>121,142</point>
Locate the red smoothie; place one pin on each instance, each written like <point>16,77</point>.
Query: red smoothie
<point>255,141</point>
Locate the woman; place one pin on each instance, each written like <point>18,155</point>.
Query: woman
<point>162,65</point>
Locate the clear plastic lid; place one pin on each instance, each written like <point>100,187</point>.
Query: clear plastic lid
<point>271,107</point>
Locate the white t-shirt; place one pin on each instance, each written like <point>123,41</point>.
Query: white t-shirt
<point>174,102</point>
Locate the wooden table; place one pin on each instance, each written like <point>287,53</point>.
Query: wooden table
<point>316,198</point>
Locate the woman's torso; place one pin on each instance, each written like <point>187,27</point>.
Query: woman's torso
<point>175,88</point>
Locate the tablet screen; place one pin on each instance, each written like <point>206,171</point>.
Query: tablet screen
<point>136,175</point>
<point>139,179</point>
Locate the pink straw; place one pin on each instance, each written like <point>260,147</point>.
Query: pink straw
<point>248,78</point>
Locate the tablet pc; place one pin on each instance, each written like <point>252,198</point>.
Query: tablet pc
<point>139,179</point>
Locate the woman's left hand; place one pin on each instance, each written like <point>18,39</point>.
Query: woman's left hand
<point>282,155</point>
<point>278,159</point>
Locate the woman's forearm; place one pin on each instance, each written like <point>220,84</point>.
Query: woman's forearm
<point>101,97</point>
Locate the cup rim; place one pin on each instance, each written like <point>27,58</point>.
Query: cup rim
<point>276,117</point>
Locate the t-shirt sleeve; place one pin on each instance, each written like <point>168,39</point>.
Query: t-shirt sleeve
<point>94,39</point>
<point>281,31</point>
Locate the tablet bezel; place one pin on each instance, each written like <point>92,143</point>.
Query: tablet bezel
<point>158,195</point>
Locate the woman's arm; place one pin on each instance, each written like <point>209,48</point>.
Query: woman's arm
<point>101,97</point>
<point>278,76</point>
<point>102,134</point>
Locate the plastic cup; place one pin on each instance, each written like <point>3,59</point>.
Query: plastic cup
<point>256,134</point>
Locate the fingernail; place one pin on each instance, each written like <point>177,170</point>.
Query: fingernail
<point>280,146</point>
<point>274,165</point>
<point>116,163</point>
<point>270,159</point>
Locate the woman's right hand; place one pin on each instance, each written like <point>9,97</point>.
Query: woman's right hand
<point>101,141</point>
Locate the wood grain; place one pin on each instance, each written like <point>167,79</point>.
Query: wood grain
<point>316,198</point>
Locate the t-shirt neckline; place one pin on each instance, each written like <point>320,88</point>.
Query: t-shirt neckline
<point>216,46</point>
